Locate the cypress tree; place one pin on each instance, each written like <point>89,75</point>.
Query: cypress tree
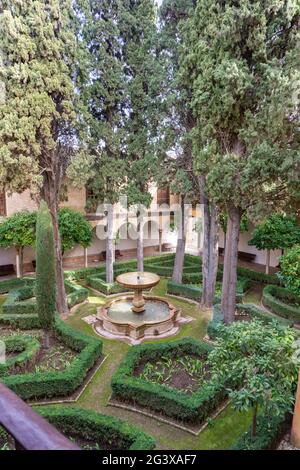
<point>241,60</point>
<point>45,271</point>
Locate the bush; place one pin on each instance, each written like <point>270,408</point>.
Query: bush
<point>75,294</point>
<point>104,287</point>
<point>278,299</point>
<point>171,402</point>
<point>27,347</point>
<point>290,269</point>
<point>15,303</point>
<point>270,430</point>
<point>108,432</point>
<point>242,310</point>
<point>9,284</point>
<point>59,383</point>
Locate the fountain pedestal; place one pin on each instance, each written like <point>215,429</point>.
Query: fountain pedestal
<point>138,302</point>
<point>138,281</point>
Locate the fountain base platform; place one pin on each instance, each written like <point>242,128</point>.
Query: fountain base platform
<point>117,320</point>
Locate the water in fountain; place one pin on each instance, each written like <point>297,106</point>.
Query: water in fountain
<point>155,310</point>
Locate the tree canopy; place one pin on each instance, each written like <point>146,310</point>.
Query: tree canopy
<point>18,230</point>
<point>74,229</point>
<point>290,269</point>
<point>276,232</point>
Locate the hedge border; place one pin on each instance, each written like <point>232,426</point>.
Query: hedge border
<point>171,402</point>
<point>97,427</point>
<point>60,383</point>
<point>270,299</point>
<point>27,346</point>
<point>244,309</point>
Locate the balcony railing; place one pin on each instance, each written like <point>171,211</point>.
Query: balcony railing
<point>28,429</point>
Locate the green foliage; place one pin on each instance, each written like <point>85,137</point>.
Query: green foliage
<point>241,70</point>
<point>27,347</point>
<point>107,431</point>
<point>171,402</point>
<point>106,288</point>
<point>75,294</point>
<point>282,302</point>
<point>243,311</point>
<point>244,224</point>
<point>276,232</point>
<point>37,59</point>
<point>258,357</point>
<point>270,429</point>
<point>290,269</point>
<point>18,230</point>
<point>60,383</point>
<point>74,229</point>
<point>45,268</point>
<point>9,284</point>
<point>20,301</point>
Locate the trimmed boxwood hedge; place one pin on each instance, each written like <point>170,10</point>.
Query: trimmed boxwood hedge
<point>104,287</point>
<point>269,432</point>
<point>59,383</point>
<point>108,432</point>
<point>278,298</point>
<point>194,292</point>
<point>27,347</point>
<point>20,314</point>
<point>9,284</point>
<point>242,309</point>
<point>170,402</point>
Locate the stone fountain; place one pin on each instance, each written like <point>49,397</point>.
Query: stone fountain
<point>136,317</point>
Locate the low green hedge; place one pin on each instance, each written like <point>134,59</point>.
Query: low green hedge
<point>170,402</point>
<point>9,284</point>
<point>194,292</point>
<point>75,294</point>
<point>104,287</point>
<point>278,298</point>
<point>59,383</point>
<point>14,303</point>
<point>247,310</point>
<point>108,432</point>
<point>27,347</point>
<point>269,432</point>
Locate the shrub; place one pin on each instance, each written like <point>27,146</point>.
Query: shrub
<point>242,310</point>
<point>27,347</point>
<point>59,383</point>
<point>45,288</point>
<point>269,431</point>
<point>108,432</point>
<point>282,302</point>
<point>290,269</point>
<point>171,402</point>
<point>9,284</point>
<point>14,303</point>
<point>104,287</point>
<point>75,294</point>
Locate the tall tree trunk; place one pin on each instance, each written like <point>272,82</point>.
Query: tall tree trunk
<point>268,262</point>
<point>140,243</point>
<point>51,196</point>
<point>18,261</point>
<point>181,242</point>
<point>210,251</point>
<point>46,339</point>
<point>22,261</point>
<point>254,421</point>
<point>228,303</point>
<point>110,245</point>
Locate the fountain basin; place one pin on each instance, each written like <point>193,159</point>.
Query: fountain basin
<point>118,320</point>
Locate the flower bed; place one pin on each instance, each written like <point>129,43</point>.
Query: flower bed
<point>59,383</point>
<point>172,402</point>
<point>100,431</point>
<point>26,348</point>
<point>282,302</point>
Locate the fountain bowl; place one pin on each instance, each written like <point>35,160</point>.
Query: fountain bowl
<point>117,320</point>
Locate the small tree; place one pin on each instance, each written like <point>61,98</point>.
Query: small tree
<point>277,232</point>
<point>18,231</point>
<point>290,269</point>
<point>45,271</point>
<point>255,359</point>
<point>74,229</point>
